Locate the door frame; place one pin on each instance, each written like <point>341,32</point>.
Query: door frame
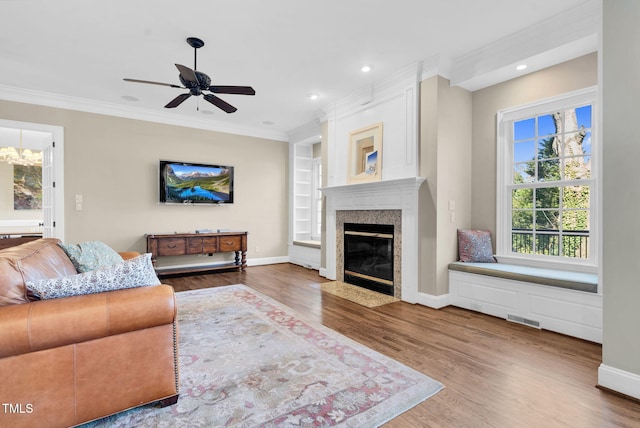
<point>57,176</point>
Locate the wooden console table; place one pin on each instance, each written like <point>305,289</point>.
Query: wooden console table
<point>184,244</point>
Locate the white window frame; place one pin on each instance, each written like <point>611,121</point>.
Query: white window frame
<point>504,164</point>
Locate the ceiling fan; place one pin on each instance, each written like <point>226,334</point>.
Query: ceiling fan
<point>197,82</point>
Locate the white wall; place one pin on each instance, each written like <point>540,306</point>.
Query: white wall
<point>620,368</point>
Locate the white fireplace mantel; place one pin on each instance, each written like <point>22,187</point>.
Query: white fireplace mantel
<point>400,194</point>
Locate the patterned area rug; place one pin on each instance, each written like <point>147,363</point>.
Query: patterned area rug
<point>359,295</point>
<point>246,360</point>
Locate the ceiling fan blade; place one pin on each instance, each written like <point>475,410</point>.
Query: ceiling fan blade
<point>237,90</point>
<point>177,100</point>
<point>152,83</point>
<point>219,103</point>
<point>187,74</point>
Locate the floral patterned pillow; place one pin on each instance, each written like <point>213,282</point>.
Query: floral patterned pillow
<point>91,255</point>
<point>136,272</point>
<point>475,246</point>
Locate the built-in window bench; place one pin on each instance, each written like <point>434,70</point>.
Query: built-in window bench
<point>557,300</point>
<point>305,253</point>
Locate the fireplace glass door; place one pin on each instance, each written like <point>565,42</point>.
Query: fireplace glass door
<point>368,256</point>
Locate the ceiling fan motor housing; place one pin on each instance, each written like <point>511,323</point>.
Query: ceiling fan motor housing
<point>196,88</point>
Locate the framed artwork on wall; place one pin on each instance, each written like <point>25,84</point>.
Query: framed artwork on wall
<point>365,154</point>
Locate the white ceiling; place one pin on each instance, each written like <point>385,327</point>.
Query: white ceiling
<point>75,53</point>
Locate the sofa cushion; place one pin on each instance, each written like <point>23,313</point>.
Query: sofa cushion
<point>136,272</point>
<point>91,255</point>
<point>31,261</point>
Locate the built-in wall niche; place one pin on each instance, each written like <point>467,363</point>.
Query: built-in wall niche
<point>306,194</point>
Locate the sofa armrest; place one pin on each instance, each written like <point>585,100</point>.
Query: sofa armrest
<point>48,324</point>
<point>126,255</point>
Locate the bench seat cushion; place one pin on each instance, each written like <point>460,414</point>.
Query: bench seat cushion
<point>556,278</point>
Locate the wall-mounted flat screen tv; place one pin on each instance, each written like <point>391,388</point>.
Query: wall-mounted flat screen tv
<point>195,183</point>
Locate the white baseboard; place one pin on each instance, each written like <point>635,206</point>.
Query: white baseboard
<point>267,261</point>
<point>621,381</point>
<point>435,302</point>
<point>250,262</point>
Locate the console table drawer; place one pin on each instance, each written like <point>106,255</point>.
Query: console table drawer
<point>210,244</point>
<point>230,243</point>
<point>172,247</point>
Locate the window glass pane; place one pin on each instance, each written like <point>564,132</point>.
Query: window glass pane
<point>522,220</point>
<point>586,143</point>
<point>548,197</point>
<point>524,151</point>
<point>547,219</point>
<point>524,129</point>
<point>548,244</point>
<point>583,115</point>
<point>546,125</point>
<point>548,148</point>
<point>575,246</point>
<point>522,242</point>
<point>522,198</point>
<point>576,197</point>
<point>573,144</point>
<point>577,168</point>
<point>524,173</point>
<point>575,220</point>
<point>549,170</point>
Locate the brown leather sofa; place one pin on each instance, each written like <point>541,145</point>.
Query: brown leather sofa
<point>71,360</point>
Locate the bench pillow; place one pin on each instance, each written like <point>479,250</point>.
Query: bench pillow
<point>474,246</point>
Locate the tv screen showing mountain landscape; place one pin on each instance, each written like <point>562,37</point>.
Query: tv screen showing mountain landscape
<point>195,183</point>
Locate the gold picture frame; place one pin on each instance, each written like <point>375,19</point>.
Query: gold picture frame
<point>365,154</point>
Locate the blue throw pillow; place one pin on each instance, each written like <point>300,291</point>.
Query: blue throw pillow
<point>91,255</point>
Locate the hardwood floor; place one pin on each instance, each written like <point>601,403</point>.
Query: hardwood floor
<point>496,373</point>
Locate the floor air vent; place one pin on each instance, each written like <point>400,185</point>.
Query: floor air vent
<point>522,320</point>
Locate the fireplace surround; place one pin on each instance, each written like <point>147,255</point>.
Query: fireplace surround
<point>371,203</point>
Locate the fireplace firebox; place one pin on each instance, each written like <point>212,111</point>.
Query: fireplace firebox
<point>368,256</point>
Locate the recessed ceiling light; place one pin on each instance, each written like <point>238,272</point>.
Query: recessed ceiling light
<point>130,98</point>
<point>206,112</point>
<point>313,97</point>
<point>366,68</point>
<point>521,67</point>
<point>268,122</point>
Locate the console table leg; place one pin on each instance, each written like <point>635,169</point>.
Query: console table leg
<point>243,265</point>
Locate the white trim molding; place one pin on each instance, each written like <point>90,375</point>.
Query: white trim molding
<point>621,381</point>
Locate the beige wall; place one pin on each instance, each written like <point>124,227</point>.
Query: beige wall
<point>621,194</point>
<point>566,77</point>
<point>445,161</point>
<point>113,163</point>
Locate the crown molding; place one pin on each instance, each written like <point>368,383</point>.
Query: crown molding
<point>46,99</point>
